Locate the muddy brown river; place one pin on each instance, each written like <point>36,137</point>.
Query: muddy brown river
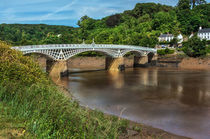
<point>175,100</point>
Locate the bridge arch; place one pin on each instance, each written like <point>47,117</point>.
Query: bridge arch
<point>150,56</point>
<point>66,54</point>
<point>105,52</point>
<point>60,53</point>
<point>135,52</point>
<point>47,56</point>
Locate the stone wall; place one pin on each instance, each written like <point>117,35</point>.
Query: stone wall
<point>93,63</point>
<point>86,62</point>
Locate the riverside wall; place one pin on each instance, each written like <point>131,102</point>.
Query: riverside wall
<point>93,63</point>
<point>97,63</point>
<point>184,62</point>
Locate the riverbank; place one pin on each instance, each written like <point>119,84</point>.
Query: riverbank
<point>179,61</point>
<point>184,62</point>
<point>39,109</point>
<point>28,96</point>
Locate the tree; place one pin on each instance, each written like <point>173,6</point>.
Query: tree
<point>197,2</point>
<point>174,42</point>
<point>183,5</point>
<point>195,47</point>
<point>113,20</point>
<point>148,41</point>
<point>165,22</point>
<point>185,16</point>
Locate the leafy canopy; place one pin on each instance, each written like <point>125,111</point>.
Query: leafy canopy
<point>195,47</point>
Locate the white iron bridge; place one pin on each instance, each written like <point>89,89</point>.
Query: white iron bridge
<point>66,51</point>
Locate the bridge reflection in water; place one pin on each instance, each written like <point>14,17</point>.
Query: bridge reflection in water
<point>174,100</point>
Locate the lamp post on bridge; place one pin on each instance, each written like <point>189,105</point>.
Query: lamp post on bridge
<point>93,44</point>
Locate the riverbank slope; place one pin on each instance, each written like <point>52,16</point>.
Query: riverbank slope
<point>36,108</point>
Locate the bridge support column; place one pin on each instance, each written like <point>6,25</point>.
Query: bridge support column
<point>115,64</point>
<point>58,69</point>
<point>153,59</point>
<point>140,60</point>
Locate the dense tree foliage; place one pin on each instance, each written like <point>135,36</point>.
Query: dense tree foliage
<point>140,26</point>
<point>195,47</point>
<point>165,51</point>
<point>113,20</point>
<point>197,2</point>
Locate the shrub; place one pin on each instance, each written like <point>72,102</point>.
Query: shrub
<point>15,67</point>
<point>195,47</point>
<point>165,51</point>
<point>208,49</point>
<point>46,111</point>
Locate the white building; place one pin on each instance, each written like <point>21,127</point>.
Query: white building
<point>59,35</point>
<point>180,38</point>
<point>204,33</point>
<point>166,37</point>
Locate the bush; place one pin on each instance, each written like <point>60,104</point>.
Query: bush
<point>17,68</point>
<point>195,47</point>
<point>165,51</point>
<point>45,110</point>
<point>208,49</point>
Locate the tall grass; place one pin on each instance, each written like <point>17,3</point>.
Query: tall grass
<point>47,112</point>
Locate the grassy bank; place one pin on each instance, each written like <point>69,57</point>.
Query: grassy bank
<point>31,106</point>
<point>28,97</point>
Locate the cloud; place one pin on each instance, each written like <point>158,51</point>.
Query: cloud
<point>64,12</point>
<point>58,10</point>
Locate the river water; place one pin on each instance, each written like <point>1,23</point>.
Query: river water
<point>175,100</point>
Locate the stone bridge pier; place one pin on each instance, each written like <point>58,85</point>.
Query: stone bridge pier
<point>60,53</point>
<point>145,60</point>
<point>58,68</point>
<point>54,68</point>
<point>115,64</point>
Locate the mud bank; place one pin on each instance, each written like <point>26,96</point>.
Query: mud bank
<point>195,63</point>
<point>184,63</point>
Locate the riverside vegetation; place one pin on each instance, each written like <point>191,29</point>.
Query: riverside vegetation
<point>140,26</point>
<point>32,106</point>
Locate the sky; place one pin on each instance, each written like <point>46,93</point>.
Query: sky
<point>64,12</point>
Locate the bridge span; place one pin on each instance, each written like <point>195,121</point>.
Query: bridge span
<point>60,53</point>
<point>66,51</point>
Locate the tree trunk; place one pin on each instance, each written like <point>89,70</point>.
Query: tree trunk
<point>193,3</point>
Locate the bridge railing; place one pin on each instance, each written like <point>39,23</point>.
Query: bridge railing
<point>98,46</point>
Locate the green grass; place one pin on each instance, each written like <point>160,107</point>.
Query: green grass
<point>11,127</point>
<point>165,51</point>
<point>48,114</point>
<point>33,103</point>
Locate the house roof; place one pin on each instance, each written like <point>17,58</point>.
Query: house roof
<point>166,35</point>
<point>205,30</point>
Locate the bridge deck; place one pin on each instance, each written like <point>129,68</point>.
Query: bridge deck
<point>65,51</point>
